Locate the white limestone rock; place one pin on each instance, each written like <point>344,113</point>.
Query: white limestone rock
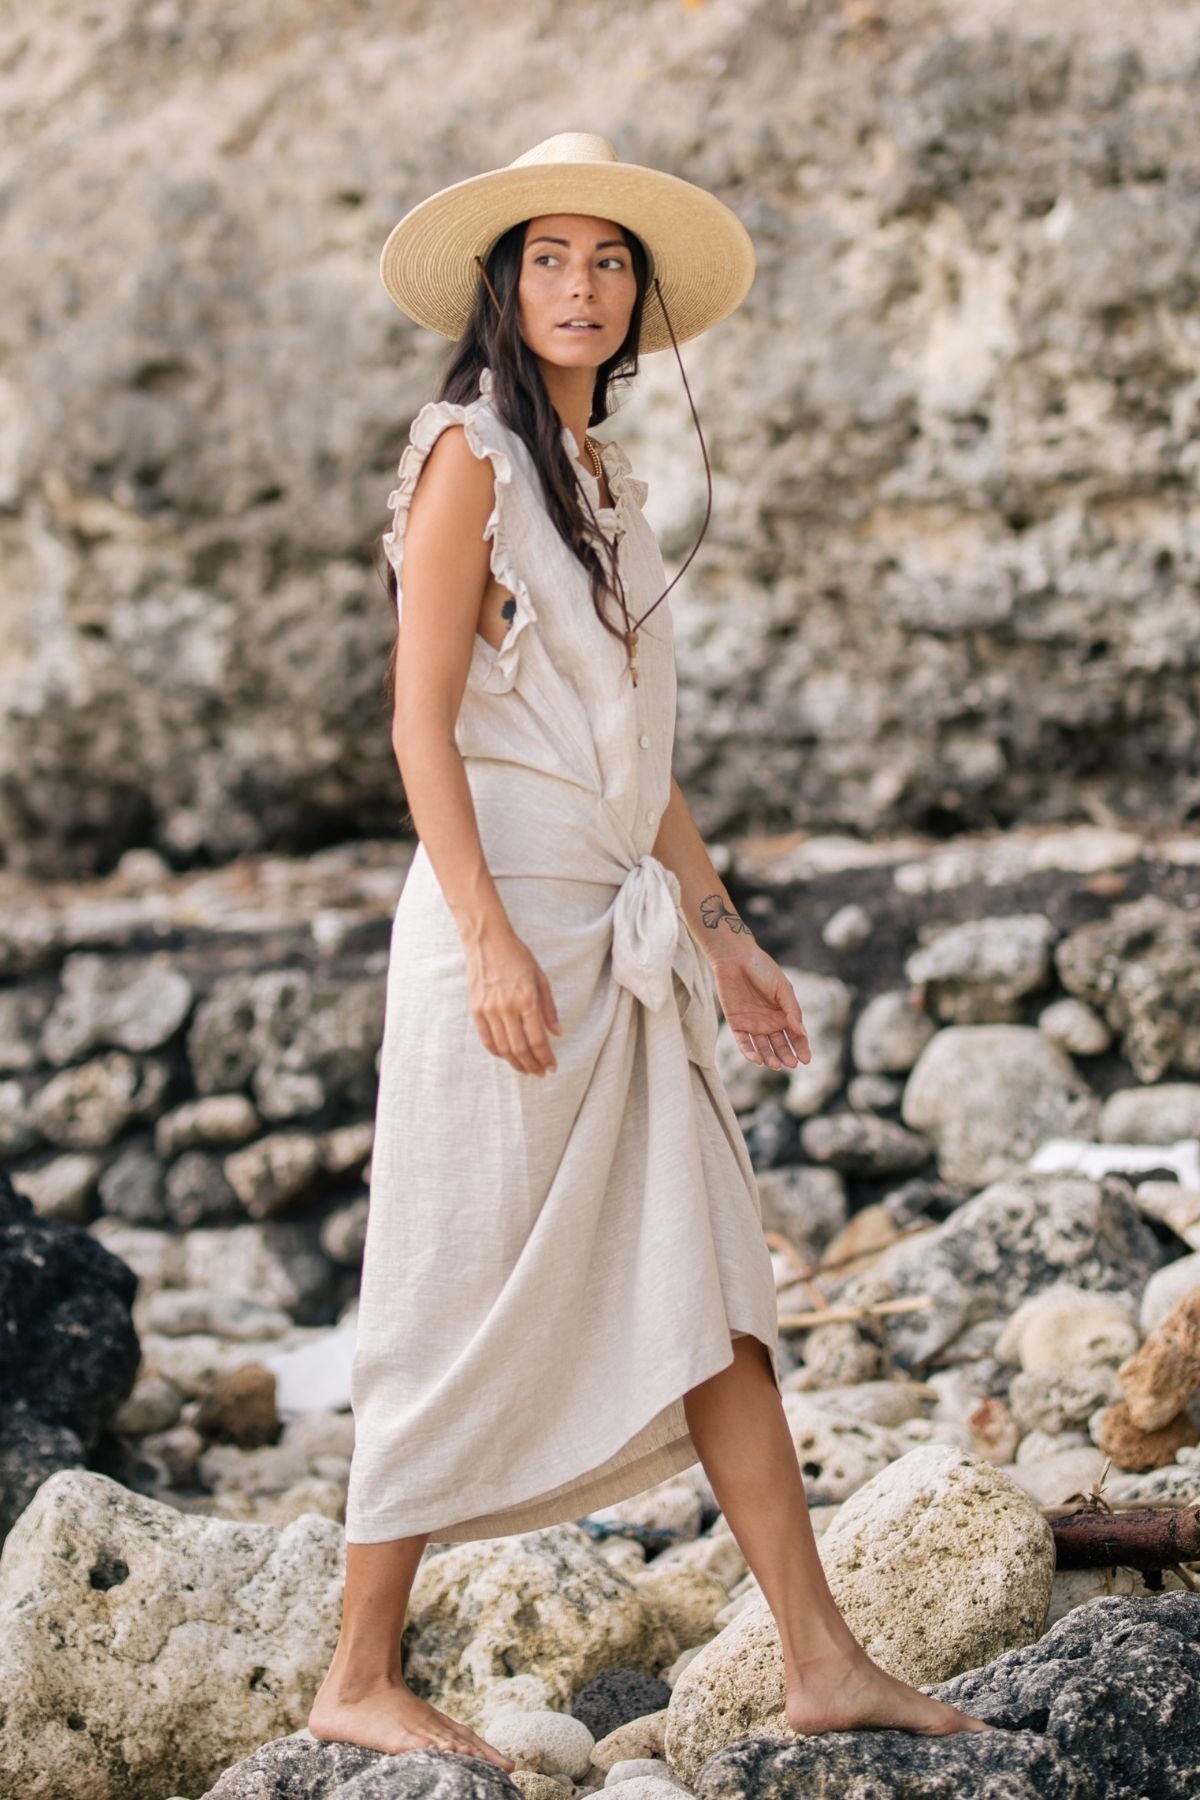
<point>940,1563</point>
<point>989,1094</point>
<point>144,1650</point>
<point>1067,1327</point>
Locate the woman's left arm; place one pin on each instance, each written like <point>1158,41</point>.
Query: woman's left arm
<point>756,996</point>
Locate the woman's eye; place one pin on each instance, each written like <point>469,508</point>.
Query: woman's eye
<point>549,256</point>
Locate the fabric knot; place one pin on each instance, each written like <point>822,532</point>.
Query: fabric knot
<point>652,944</point>
<point>646,930</point>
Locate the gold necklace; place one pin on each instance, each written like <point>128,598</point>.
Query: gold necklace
<point>631,635</point>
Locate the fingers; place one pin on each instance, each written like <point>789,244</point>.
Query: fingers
<point>519,1037</point>
<point>779,1049</point>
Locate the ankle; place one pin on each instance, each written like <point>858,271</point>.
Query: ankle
<point>820,1655</point>
<point>346,1683</point>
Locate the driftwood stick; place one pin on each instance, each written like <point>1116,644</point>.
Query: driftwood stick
<point>1146,1538</point>
<point>850,1315</point>
<point>804,1271</point>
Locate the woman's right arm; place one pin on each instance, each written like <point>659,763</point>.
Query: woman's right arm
<point>446,572</point>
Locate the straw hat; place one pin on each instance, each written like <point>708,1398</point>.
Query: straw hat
<point>700,251</point>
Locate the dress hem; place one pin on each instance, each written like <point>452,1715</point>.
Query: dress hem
<point>527,1514</point>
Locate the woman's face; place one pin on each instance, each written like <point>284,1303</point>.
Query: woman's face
<point>574,266</point>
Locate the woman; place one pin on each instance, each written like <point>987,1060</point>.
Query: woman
<point>566,1295</point>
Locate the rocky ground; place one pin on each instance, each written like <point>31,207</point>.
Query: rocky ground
<point>988,1177</point>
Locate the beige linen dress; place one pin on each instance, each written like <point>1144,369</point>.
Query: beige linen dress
<point>551,1261</point>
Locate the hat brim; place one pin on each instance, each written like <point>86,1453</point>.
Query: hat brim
<point>701,253</point>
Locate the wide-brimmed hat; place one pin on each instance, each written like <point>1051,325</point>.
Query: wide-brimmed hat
<point>700,251</point>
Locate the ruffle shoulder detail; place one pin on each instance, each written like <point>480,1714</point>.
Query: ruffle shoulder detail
<point>621,479</point>
<point>496,668</point>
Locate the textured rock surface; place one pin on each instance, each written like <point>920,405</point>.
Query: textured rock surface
<point>1141,970</point>
<point>1116,1685</point>
<point>68,1349</point>
<point>988,1095</point>
<point>142,1651</point>
<point>542,1607</point>
<point>1012,1240</point>
<point>1161,1377</point>
<point>893,1765</point>
<point>954,473</point>
<point>939,1563</point>
<point>301,1768</point>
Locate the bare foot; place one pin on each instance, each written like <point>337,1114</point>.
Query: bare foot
<point>856,1694</point>
<point>390,1717</point>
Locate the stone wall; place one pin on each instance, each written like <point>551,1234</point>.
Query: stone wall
<point>951,575</point>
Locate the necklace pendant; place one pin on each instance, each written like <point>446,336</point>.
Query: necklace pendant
<point>631,646</point>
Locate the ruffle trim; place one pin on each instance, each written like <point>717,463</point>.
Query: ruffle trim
<point>497,666</point>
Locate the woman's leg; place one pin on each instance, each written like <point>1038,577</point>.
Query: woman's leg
<point>740,1431</point>
<point>364,1698</point>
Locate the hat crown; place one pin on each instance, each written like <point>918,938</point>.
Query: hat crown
<point>568,147</point>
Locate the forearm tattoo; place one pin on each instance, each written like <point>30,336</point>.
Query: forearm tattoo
<point>713,910</point>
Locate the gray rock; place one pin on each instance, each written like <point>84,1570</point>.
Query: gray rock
<point>1116,1686</point>
<point>893,1765</point>
<point>861,1144</point>
<point>617,1696</point>
<point>988,1095</point>
<point>890,1033</point>
<point>132,1186</point>
<point>197,1191</point>
<point>981,970</point>
<point>1075,1027</point>
<point>297,1042</point>
<point>89,1105</point>
<point>874,1093</point>
<point>1152,1115</point>
<point>1141,970</point>
<point>301,1767</point>
<point>807,1205</point>
<point>1012,1240</point>
<point>128,1003</point>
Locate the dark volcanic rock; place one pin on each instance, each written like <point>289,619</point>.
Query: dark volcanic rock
<point>68,1349</point>
<point>1116,1684</point>
<point>894,1765</point>
<point>1106,1706</point>
<point>617,1695</point>
<point>303,1768</point>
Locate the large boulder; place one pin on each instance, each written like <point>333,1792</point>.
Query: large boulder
<point>937,1563</point>
<point>1116,1685</point>
<point>1106,1706</point>
<point>144,1650</point>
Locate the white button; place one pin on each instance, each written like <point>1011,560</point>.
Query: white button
<point>644,741</point>
<point>650,817</point>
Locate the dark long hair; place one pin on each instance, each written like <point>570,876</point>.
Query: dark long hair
<point>492,338</point>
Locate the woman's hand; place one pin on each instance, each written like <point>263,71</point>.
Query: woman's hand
<point>511,1003</point>
<point>760,1004</point>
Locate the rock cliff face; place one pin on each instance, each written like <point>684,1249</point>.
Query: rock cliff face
<point>951,575</point>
